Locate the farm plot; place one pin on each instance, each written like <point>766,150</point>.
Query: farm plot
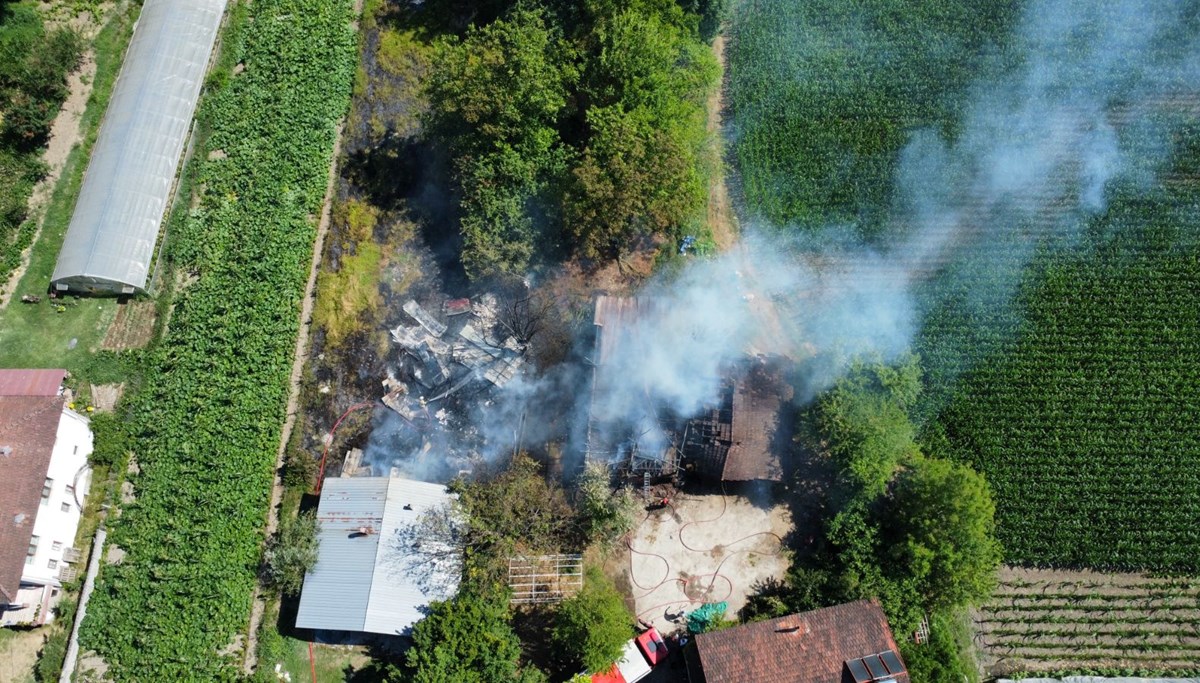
<point>1045,620</point>
<point>207,423</point>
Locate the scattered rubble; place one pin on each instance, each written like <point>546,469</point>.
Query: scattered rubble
<point>444,358</point>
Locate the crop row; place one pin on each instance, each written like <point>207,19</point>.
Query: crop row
<point>207,423</point>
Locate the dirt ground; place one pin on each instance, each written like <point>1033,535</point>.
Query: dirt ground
<point>18,654</point>
<point>65,133</point>
<point>702,548</point>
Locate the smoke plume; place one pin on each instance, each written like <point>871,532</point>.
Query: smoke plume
<point>1088,103</point>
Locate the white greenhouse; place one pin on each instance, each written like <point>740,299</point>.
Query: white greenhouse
<point>110,242</point>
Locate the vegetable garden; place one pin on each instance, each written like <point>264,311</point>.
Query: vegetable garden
<point>207,423</point>
<point>1043,621</point>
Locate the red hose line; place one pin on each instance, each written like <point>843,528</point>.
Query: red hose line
<point>312,662</point>
<point>714,575</point>
<point>325,451</point>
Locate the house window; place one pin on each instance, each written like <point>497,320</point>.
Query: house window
<point>46,490</point>
<point>70,490</point>
<point>66,507</point>
<point>52,564</point>
<point>56,546</point>
<point>33,543</point>
<point>28,560</point>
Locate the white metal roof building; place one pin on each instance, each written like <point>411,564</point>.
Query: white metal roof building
<point>127,188</point>
<point>372,575</point>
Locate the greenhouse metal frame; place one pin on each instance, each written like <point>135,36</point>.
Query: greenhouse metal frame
<point>110,242</point>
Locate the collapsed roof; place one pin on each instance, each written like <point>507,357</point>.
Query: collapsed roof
<point>738,439</point>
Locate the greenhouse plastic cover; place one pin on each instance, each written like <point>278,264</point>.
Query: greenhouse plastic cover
<point>110,242</point>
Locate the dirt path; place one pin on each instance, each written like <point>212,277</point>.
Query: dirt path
<point>65,133</point>
<point>721,220</point>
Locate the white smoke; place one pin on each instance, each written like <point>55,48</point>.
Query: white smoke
<point>1086,103</point>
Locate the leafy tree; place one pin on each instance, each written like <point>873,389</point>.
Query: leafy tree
<point>643,91</point>
<point>292,553</point>
<point>495,99</point>
<point>941,523</point>
<point>513,510</point>
<point>864,424</point>
<point>34,64</point>
<point>632,180</point>
<point>606,516</point>
<point>468,640</point>
<point>712,14</point>
<point>591,628</point>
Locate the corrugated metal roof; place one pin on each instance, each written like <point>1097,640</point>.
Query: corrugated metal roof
<point>111,238</point>
<point>31,382</point>
<point>337,590</point>
<point>379,582</point>
<point>405,579</point>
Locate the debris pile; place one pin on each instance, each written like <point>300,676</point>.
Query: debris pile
<point>445,357</point>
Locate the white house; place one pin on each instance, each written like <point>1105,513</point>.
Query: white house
<point>44,449</point>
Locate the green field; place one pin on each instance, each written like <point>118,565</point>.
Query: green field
<point>1074,388</point>
<point>207,423</point>
<point>824,94</point>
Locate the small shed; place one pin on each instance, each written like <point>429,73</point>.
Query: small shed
<point>129,181</point>
<point>739,438</point>
<point>372,575</point>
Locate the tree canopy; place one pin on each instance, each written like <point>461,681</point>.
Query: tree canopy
<point>864,424</point>
<point>941,526</point>
<point>591,627</point>
<point>495,98</point>
<point>572,129</point>
<point>466,639</point>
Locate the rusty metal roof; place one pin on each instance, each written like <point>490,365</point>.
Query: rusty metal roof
<point>31,382</point>
<point>28,430</point>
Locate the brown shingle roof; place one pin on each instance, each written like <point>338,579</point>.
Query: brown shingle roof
<point>758,397</point>
<point>811,647</point>
<point>28,430</point>
<point>31,382</point>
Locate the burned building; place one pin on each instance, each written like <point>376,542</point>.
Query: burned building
<point>641,440</point>
<point>738,438</point>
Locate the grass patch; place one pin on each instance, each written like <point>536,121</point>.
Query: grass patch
<point>346,294</point>
<point>41,335</point>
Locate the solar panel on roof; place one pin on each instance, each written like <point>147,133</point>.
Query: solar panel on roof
<point>892,662</point>
<point>875,666</point>
<point>858,670</point>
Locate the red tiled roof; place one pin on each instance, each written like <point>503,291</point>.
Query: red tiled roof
<point>28,430</point>
<point>31,382</point>
<point>811,647</point>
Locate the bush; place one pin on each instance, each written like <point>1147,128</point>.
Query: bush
<point>466,639</point>
<point>605,516</point>
<point>592,627</point>
<point>292,553</point>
